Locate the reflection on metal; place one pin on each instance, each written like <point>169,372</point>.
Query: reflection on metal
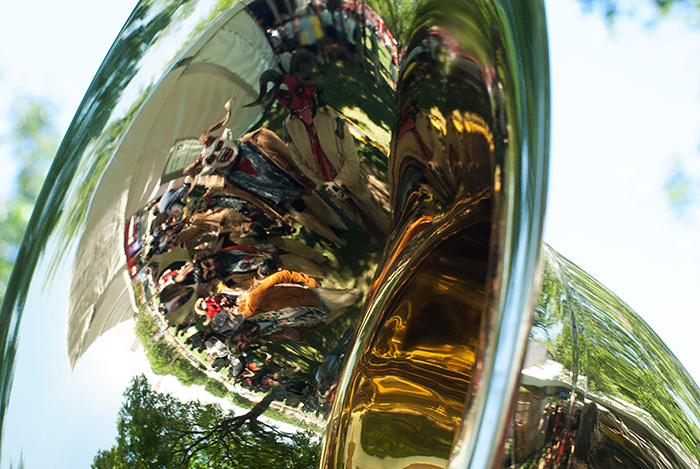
<point>407,393</point>
<point>598,388</point>
<point>347,233</point>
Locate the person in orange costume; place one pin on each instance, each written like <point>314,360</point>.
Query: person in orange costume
<point>288,304</point>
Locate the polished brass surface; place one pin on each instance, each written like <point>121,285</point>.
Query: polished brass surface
<point>598,387</point>
<point>323,255</point>
<point>411,378</point>
<point>420,366</point>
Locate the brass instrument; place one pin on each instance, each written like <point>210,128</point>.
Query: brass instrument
<point>326,220</point>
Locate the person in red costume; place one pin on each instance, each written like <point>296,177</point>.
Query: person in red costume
<point>321,146</point>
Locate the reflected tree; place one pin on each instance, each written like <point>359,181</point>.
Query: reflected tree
<point>156,430</point>
<point>616,350</point>
<point>100,138</point>
<point>548,309</point>
<point>397,16</point>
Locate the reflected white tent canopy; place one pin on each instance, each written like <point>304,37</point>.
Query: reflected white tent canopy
<point>225,62</point>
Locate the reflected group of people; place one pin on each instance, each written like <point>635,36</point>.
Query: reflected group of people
<point>234,250</point>
<point>545,428</point>
<point>551,432</point>
<point>224,248</point>
<point>443,146</point>
<point>321,145</point>
<point>341,30</point>
<point>222,255</point>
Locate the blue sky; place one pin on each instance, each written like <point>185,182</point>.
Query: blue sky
<point>625,113</point>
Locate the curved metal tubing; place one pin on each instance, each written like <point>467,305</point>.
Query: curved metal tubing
<point>334,248</point>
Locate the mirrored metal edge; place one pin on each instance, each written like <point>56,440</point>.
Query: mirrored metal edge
<point>480,443</point>
<point>598,386</point>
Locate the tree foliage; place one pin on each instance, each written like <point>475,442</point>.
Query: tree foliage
<point>614,8</point>
<point>166,359</point>
<point>34,141</point>
<point>397,15</point>
<point>681,188</point>
<point>158,431</point>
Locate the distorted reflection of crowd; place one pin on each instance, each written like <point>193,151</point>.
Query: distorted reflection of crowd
<point>546,435</point>
<point>340,31</point>
<point>223,250</point>
<point>222,253</point>
<point>320,141</point>
<point>444,146</point>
